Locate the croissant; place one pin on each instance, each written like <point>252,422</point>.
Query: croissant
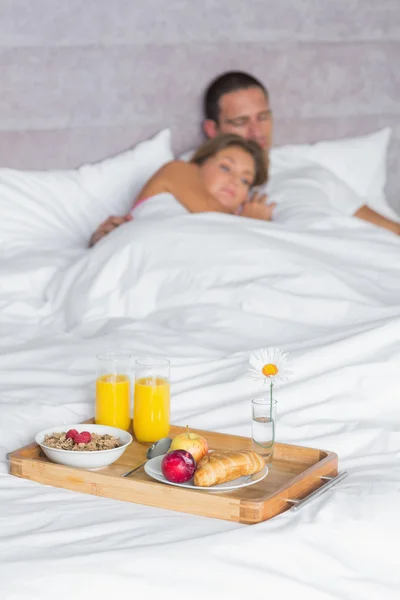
<point>221,466</point>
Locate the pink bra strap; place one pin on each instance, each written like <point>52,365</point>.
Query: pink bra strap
<point>140,202</point>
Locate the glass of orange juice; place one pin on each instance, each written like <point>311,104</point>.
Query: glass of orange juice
<point>151,404</point>
<point>113,398</point>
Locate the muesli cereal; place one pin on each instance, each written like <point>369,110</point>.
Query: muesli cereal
<point>97,442</point>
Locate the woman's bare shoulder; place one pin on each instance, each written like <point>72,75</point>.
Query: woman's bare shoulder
<point>174,177</point>
<point>178,166</point>
<point>177,175</point>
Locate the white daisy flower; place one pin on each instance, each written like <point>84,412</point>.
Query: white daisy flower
<point>270,365</point>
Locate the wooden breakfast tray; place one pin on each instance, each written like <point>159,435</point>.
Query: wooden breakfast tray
<point>295,472</point>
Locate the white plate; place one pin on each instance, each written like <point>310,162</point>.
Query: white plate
<point>153,469</point>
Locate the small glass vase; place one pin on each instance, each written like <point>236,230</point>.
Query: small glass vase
<point>263,426</point>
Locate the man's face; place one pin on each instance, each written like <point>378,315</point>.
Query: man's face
<point>246,113</point>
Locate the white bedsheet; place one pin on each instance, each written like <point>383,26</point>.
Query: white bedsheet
<point>205,290</point>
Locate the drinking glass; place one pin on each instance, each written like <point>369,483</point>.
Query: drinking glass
<point>263,426</point>
<point>151,405</point>
<point>113,406</point>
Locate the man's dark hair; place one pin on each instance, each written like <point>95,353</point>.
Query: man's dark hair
<point>231,81</point>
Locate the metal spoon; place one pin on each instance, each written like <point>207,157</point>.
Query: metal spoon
<point>157,449</point>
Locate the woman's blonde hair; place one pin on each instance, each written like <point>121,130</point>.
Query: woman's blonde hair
<point>213,146</point>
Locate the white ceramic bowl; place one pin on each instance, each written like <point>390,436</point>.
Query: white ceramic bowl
<point>85,459</point>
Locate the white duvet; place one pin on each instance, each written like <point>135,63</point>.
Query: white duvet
<point>206,290</point>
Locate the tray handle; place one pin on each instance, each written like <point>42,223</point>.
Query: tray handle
<point>297,504</point>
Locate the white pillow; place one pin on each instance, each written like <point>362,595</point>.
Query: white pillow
<point>359,162</point>
<point>49,210</point>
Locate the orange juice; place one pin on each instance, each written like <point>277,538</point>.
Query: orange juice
<point>151,409</point>
<point>113,401</point>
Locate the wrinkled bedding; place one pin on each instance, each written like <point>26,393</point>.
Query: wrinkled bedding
<point>206,290</point>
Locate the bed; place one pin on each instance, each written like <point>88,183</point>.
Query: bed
<point>321,285</point>
<point>88,101</point>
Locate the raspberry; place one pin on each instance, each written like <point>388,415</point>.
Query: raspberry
<point>71,434</point>
<point>83,438</point>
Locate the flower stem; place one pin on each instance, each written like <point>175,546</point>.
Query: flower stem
<point>270,403</point>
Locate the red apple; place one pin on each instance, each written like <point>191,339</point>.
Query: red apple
<point>178,466</point>
<point>191,442</point>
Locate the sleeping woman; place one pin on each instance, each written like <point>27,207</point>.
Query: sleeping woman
<point>218,178</point>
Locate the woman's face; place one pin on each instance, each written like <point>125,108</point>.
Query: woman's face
<point>229,175</point>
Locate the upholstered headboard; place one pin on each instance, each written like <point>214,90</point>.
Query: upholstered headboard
<point>84,80</point>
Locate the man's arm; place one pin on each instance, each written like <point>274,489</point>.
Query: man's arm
<point>367,214</point>
<point>106,227</point>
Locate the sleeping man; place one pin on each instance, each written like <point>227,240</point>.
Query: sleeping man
<point>238,103</point>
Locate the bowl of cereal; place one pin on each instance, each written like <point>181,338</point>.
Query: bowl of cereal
<point>84,446</point>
